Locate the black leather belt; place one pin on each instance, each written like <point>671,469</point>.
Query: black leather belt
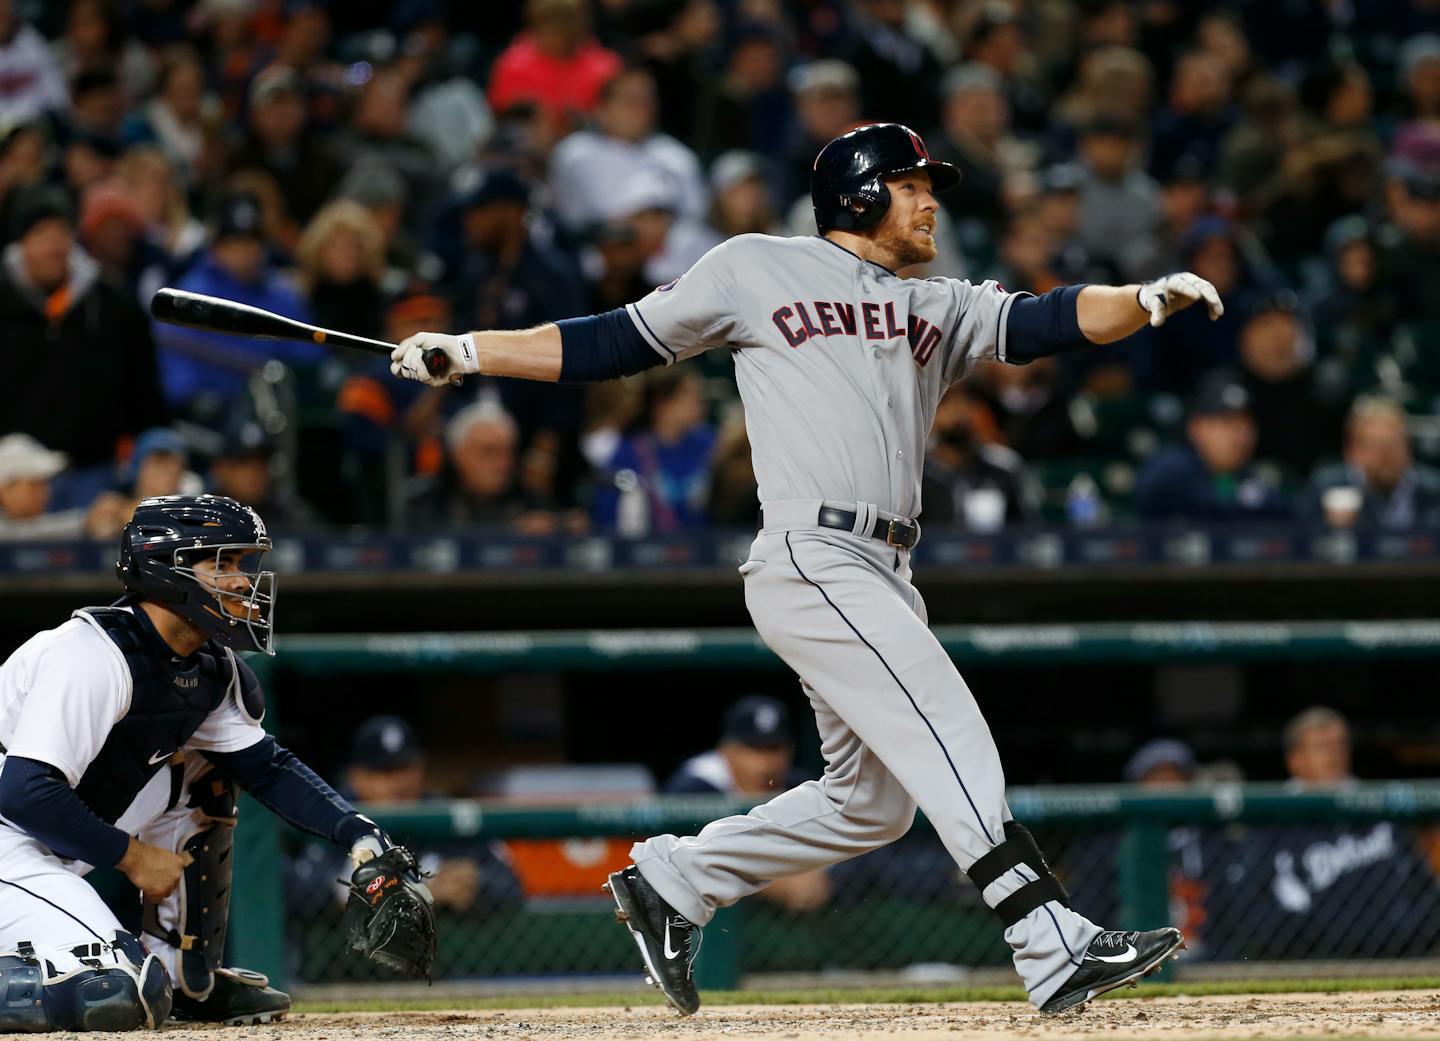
<point>901,534</point>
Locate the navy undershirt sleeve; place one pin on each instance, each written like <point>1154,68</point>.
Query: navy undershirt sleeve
<point>278,780</point>
<point>1043,325</point>
<point>603,347</point>
<point>35,797</point>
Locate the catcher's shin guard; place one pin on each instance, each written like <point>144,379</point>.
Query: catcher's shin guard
<point>204,892</point>
<point>96,986</point>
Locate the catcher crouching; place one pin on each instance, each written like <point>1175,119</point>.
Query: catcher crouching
<point>125,735</point>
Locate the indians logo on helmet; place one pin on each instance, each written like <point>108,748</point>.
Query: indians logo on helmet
<point>919,145</point>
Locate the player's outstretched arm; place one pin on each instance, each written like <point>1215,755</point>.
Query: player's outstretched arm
<point>576,350</point>
<point>530,354</point>
<point>1110,313</point>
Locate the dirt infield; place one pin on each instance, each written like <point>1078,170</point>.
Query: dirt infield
<point>1383,1014</point>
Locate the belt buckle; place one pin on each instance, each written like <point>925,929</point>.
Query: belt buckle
<point>890,533</point>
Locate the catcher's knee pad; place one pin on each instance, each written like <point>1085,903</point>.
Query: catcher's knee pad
<point>204,892</point>
<point>1018,849</point>
<point>96,986</point>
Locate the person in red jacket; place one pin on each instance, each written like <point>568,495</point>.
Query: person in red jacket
<point>555,63</point>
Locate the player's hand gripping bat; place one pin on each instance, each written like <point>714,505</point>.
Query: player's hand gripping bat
<point>177,307</point>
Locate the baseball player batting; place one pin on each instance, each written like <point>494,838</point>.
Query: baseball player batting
<point>840,364</point>
<point>123,735</point>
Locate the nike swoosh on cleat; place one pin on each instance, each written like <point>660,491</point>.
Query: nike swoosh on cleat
<point>1114,958</point>
<point>668,952</point>
<point>159,756</point>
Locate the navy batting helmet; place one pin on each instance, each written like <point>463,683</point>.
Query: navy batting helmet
<point>200,556</point>
<point>847,184</point>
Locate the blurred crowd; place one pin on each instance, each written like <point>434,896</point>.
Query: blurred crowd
<point>385,168</point>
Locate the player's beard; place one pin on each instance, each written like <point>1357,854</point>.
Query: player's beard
<point>904,247</point>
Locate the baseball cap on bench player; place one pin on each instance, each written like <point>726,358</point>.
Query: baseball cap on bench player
<point>758,721</point>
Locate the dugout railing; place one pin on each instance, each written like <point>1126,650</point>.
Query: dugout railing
<point>1251,867</point>
<point>1122,851</point>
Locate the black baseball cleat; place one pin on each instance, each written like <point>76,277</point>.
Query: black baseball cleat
<point>1112,960</point>
<point>663,935</point>
<point>240,997</point>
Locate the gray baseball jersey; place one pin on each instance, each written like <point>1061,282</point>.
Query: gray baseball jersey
<point>841,365</point>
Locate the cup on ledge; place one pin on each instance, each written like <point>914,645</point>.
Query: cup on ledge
<point>1342,506</point>
<point>984,510</point>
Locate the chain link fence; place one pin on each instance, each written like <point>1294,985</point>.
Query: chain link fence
<point>515,902</point>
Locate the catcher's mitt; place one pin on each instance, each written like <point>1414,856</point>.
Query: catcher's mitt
<point>390,917</point>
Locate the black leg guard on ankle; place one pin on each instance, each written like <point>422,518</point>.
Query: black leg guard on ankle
<point>1018,849</point>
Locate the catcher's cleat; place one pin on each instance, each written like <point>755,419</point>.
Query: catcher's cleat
<point>1112,960</point>
<point>240,997</point>
<point>663,935</point>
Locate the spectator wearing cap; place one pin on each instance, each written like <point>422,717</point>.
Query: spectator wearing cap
<point>341,256</point>
<point>1411,243</point>
<point>975,120</point>
<point>1119,203</point>
<point>1378,484</point>
<point>277,143</point>
<point>754,759</point>
<point>33,85</point>
<point>79,351</point>
<point>1356,310</point>
<point>204,372</point>
<point>28,506</point>
<point>501,271</point>
<point>1212,477</point>
<point>897,69</point>
<point>157,466</point>
<point>97,109</point>
<point>1184,199</point>
<point>243,469</point>
<point>588,168</point>
<point>970,482</point>
<point>1161,763</point>
<point>1298,405</point>
<point>746,107</point>
<point>826,96</point>
<point>555,63</point>
<point>387,766</point>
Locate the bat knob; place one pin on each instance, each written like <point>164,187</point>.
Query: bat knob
<point>436,363</point>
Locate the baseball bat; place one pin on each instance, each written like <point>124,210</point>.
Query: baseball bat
<point>214,314</point>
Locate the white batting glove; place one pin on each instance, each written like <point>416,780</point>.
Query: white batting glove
<point>407,361</point>
<point>1171,293</point>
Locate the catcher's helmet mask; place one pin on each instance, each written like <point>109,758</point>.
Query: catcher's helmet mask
<point>167,540</point>
<point>847,182</point>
